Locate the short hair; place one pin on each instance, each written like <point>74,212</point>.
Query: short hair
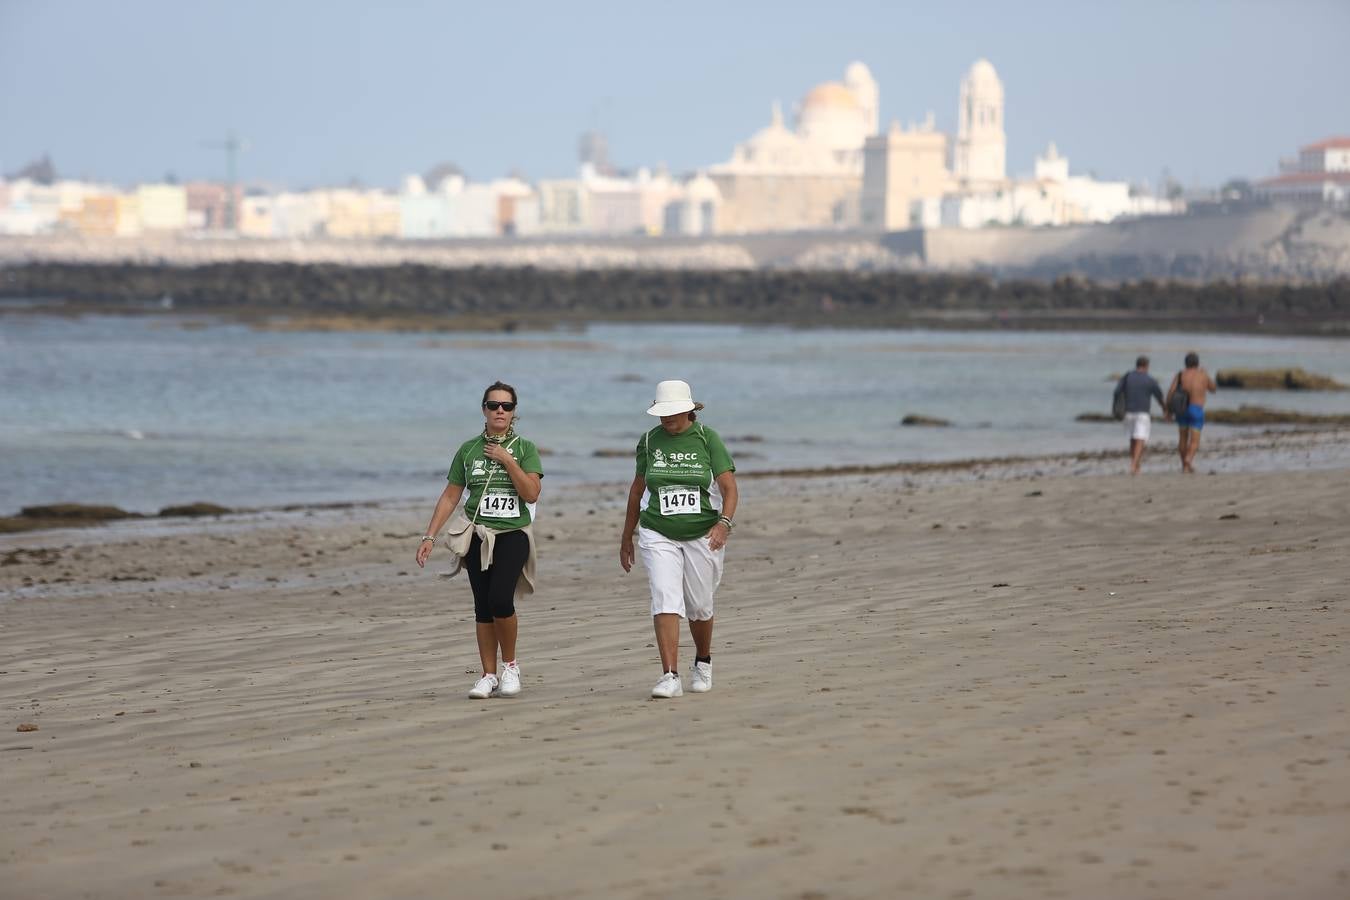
<point>1192,359</point>
<point>1141,362</point>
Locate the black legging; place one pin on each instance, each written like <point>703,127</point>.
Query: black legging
<point>494,591</point>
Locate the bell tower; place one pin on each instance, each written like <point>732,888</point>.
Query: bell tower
<point>981,145</point>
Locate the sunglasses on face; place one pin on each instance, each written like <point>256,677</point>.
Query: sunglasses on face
<point>494,405</point>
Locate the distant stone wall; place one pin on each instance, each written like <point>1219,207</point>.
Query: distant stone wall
<point>1271,243</point>
<point>1264,242</point>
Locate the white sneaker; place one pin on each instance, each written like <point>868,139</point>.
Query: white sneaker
<point>700,678</point>
<point>484,687</point>
<point>510,681</point>
<point>669,686</point>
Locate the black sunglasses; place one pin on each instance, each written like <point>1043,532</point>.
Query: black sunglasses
<point>494,405</point>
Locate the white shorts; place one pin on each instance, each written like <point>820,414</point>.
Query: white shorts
<point>1138,425</point>
<point>683,575</point>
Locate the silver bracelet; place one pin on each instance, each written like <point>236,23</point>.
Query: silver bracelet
<point>428,537</point>
<point>726,520</point>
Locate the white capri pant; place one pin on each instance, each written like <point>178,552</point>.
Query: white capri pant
<point>1137,425</point>
<point>683,575</point>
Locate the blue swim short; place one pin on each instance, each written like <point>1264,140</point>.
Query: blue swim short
<point>1194,417</point>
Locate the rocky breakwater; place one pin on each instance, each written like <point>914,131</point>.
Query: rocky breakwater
<point>477,296</point>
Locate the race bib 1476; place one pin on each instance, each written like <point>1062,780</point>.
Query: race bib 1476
<point>678,500</point>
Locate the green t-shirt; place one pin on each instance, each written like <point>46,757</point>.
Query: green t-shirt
<point>502,510</point>
<point>682,500</point>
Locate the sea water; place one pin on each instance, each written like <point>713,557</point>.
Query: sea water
<point>147,411</point>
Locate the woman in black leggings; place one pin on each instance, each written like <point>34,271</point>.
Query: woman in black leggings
<point>502,473</point>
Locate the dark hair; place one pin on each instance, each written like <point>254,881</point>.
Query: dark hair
<point>1192,360</point>
<point>500,386</point>
<point>1141,362</point>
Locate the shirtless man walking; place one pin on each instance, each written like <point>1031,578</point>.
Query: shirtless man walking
<point>1195,383</point>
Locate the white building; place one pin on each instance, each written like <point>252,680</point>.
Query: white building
<point>1319,177</point>
<point>594,203</point>
<point>298,215</point>
<point>163,207</point>
<point>457,208</point>
<point>694,210</point>
<point>256,217</point>
<point>901,168</point>
<point>34,208</point>
<point>564,206</point>
<point>1053,197</point>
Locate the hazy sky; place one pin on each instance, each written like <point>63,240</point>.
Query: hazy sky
<point>329,91</point>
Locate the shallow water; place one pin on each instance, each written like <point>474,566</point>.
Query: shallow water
<point>142,412</point>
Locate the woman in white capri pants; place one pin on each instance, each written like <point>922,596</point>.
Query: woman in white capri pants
<point>681,505</point>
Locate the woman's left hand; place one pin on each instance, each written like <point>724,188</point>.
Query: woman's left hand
<point>717,537</point>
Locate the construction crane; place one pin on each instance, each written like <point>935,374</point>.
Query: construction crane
<point>232,146</point>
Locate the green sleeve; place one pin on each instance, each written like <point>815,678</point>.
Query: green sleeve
<point>641,457</point>
<point>529,458</point>
<point>456,473</point>
<point>717,454</point>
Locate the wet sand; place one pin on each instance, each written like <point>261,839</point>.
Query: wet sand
<point>1001,688</point>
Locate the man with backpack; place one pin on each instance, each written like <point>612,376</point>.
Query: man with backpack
<point>1186,400</point>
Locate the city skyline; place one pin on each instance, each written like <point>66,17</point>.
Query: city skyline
<point>325,94</point>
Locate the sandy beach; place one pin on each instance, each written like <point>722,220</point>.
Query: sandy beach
<point>1020,687</point>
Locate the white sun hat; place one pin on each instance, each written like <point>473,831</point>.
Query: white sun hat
<point>673,398</point>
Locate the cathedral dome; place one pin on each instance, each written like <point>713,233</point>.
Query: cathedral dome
<point>830,94</point>
<point>832,116</point>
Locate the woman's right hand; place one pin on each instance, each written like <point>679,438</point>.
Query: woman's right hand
<point>423,552</point>
<point>626,554</point>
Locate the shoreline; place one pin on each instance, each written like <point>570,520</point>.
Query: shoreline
<point>273,319</point>
<point>1268,450</point>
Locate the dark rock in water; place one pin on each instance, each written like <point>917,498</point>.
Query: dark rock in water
<point>611,453</point>
<point>928,421</point>
<point>62,515</point>
<point>1295,379</point>
<point>1264,415</point>
<point>77,512</point>
<point>1094,417</point>
<point>195,509</point>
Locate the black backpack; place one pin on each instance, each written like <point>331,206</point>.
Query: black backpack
<point>1118,400</point>
<point>1180,400</point>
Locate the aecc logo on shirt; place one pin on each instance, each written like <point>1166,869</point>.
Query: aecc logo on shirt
<point>661,459</point>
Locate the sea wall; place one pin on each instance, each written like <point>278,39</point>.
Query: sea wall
<point>538,296</point>
<point>1264,242</point>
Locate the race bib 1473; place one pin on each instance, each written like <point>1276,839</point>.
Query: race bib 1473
<point>499,506</point>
